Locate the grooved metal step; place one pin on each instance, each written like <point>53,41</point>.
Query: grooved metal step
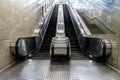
<point>44,50</point>
<point>76,53</point>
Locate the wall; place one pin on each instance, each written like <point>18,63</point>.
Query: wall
<point>18,18</point>
<point>108,12</point>
<point>109,15</point>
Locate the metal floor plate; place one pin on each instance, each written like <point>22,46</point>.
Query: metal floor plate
<point>46,70</point>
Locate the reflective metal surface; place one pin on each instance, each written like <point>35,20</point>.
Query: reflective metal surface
<point>108,47</point>
<point>60,44</point>
<point>47,70</point>
<point>93,47</point>
<point>60,47</point>
<point>13,47</point>
<point>26,46</point>
<point>60,29</point>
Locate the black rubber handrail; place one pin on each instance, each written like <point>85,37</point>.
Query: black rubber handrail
<point>93,47</point>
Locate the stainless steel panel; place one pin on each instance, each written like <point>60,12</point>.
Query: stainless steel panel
<point>47,70</point>
<point>60,44</point>
<point>13,46</point>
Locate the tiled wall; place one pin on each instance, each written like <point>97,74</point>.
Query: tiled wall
<point>18,18</point>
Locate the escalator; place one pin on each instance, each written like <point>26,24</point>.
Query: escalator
<point>50,32</point>
<point>78,68</point>
<point>70,32</point>
<point>76,53</point>
<point>96,47</point>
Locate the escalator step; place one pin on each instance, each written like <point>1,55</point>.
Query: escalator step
<point>44,50</point>
<point>70,32</point>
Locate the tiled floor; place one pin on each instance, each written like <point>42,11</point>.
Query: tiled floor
<point>46,70</point>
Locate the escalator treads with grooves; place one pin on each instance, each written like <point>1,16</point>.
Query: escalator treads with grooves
<point>76,53</point>
<point>44,50</point>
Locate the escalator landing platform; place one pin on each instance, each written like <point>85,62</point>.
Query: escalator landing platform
<point>46,70</point>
